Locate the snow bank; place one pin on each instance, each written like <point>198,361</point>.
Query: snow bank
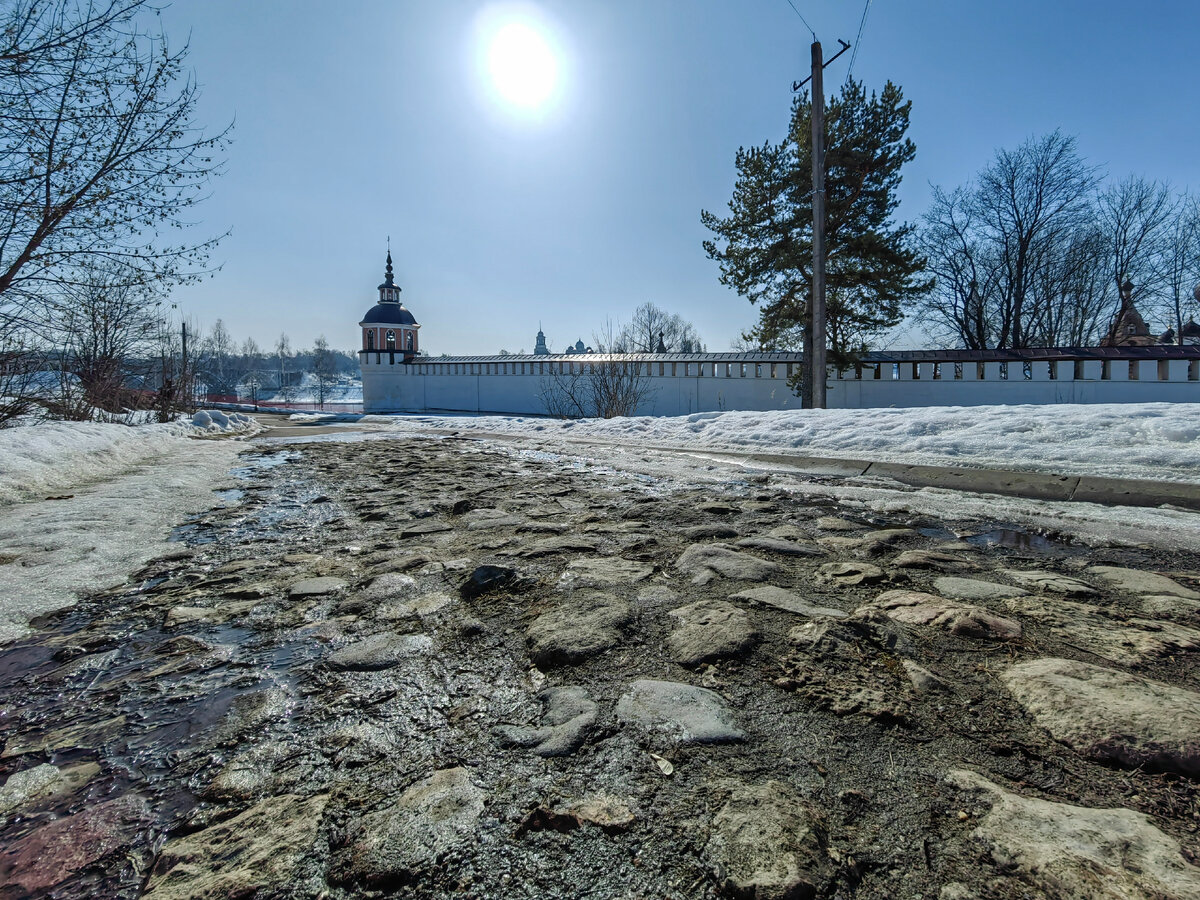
<point>213,421</point>
<point>1154,440</point>
<point>56,457</point>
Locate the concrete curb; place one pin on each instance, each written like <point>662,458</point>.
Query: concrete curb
<point>1030,485</point>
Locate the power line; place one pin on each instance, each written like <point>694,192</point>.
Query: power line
<point>862,23</point>
<point>802,19</point>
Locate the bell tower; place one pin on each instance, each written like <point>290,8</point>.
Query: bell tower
<point>388,327</point>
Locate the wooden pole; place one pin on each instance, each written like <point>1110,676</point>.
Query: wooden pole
<point>817,306</point>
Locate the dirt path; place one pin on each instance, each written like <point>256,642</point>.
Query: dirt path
<point>433,668</point>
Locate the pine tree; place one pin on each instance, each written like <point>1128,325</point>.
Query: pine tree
<point>764,246</point>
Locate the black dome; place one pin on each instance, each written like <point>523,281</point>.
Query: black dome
<point>388,314</point>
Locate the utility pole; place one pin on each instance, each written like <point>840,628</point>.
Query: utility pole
<point>814,368</point>
<point>816,308</point>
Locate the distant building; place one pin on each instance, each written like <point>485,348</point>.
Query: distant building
<point>1131,330</point>
<point>388,327</point>
<point>1132,367</point>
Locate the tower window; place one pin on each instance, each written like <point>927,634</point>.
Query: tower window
<point>410,342</point>
<point>391,340</point>
<point>370,338</point>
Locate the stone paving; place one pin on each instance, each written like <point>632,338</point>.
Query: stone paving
<point>435,668</point>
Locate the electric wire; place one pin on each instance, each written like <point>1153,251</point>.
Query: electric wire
<point>802,19</point>
<point>862,24</point>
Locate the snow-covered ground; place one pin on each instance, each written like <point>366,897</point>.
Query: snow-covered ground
<point>1159,441</point>
<point>83,504</point>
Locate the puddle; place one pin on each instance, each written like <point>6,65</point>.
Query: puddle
<point>1012,539</point>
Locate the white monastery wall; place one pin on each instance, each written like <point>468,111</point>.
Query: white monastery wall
<point>679,386</point>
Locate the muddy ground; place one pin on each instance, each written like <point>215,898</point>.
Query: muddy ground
<point>433,668</point>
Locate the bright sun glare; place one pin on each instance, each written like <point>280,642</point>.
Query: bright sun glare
<point>523,68</point>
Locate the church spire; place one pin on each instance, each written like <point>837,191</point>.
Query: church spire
<point>389,292</point>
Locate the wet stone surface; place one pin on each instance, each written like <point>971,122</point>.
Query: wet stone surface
<point>445,668</point>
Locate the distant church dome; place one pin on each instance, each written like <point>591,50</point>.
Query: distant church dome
<point>388,314</point>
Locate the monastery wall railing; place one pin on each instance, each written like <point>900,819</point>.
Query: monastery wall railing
<point>685,383</point>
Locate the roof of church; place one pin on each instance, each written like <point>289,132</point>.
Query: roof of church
<point>388,314</point>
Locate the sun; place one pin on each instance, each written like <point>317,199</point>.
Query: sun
<point>522,67</point>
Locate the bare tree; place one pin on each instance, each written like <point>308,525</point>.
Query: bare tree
<point>597,385</point>
<point>21,366</point>
<point>653,327</point>
<point>1134,216</point>
<point>324,366</point>
<point>960,306</point>
<point>283,352</point>
<point>1027,200</point>
<point>99,153</point>
<point>105,329</point>
<point>218,362</point>
<point>1181,262</point>
<point>998,245</point>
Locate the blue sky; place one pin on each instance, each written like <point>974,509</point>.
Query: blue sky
<point>378,120</point>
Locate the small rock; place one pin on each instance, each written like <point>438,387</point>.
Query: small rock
<point>206,615</point>
<point>608,570</point>
<point>780,546</point>
<point>578,628</point>
<point>1136,581</point>
<point>379,651</point>
<point>970,589</point>
<point>1112,716</point>
<point>1049,582</point>
<point>680,712</point>
<point>90,735</point>
<point>1074,851</point>
<point>317,587</point>
<point>55,851</point>
<point>423,606</point>
<point>766,844</point>
<point>1126,640</point>
<point>707,561</point>
<point>609,813</point>
<point>786,600</point>
<point>389,586</point>
<point>396,844</point>
<point>553,546</point>
<point>934,559</point>
<point>264,768</point>
<point>1178,607</point>
<point>849,574</point>
<point>717,508</point>
<point>833,523</point>
<point>916,608</point>
<point>486,579</point>
<point>923,681</point>
<point>709,630</point>
<point>254,853</point>
<point>566,723</point>
<point>29,786</point>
